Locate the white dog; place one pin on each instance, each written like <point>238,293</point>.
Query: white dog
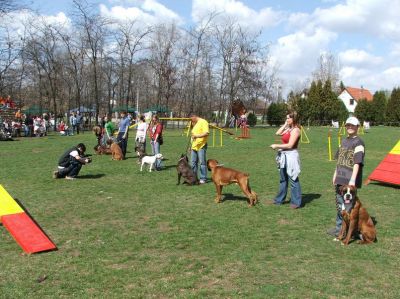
<point>151,160</point>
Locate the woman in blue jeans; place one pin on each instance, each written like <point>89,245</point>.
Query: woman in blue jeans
<point>288,160</point>
<point>156,139</point>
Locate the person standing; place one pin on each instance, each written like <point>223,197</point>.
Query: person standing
<point>157,140</point>
<point>72,122</point>
<point>109,129</point>
<point>200,134</point>
<point>350,161</point>
<point>140,139</point>
<point>288,160</point>
<point>79,121</point>
<point>123,129</point>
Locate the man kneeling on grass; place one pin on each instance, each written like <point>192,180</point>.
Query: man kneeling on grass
<point>71,162</point>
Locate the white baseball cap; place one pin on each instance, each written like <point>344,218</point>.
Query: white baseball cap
<point>352,121</point>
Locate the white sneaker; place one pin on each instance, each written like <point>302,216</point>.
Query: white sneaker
<point>69,178</point>
<point>202,182</point>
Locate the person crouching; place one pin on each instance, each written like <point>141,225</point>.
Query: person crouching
<point>70,163</point>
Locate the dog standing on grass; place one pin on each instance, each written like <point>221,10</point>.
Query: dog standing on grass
<point>356,219</point>
<point>223,176</point>
<point>151,160</point>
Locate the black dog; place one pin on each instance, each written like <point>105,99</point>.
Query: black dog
<point>185,171</point>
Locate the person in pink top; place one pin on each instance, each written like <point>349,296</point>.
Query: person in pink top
<point>288,160</point>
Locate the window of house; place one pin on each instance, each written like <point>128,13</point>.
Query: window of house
<point>351,101</point>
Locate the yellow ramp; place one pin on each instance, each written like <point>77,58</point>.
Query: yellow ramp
<point>396,149</point>
<point>7,204</point>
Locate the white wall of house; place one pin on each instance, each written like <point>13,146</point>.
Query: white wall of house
<point>346,98</point>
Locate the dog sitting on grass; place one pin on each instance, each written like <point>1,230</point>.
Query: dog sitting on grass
<point>185,171</point>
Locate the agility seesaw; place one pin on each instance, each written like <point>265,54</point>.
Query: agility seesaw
<point>26,232</point>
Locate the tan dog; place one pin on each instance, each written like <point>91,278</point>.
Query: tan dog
<point>355,218</point>
<point>223,176</point>
<point>116,151</point>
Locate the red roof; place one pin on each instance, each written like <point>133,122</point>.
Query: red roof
<point>359,93</point>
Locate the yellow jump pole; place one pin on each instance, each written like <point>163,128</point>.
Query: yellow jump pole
<point>220,136</point>
<point>213,137</point>
<point>339,136</point>
<point>329,146</point>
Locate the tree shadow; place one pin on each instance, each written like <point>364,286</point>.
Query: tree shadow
<point>307,198</point>
<point>91,176</point>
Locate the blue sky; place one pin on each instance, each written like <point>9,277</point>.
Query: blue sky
<point>364,35</point>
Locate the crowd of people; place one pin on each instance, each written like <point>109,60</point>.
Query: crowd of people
<point>348,171</point>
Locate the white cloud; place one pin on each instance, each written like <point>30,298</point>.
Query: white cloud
<point>359,58</point>
<point>266,17</point>
<point>297,53</point>
<point>149,12</point>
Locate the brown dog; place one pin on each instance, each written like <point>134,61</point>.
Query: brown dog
<point>223,176</point>
<point>102,150</point>
<point>184,170</point>
<point>355,218</point>
<point>116,151</point>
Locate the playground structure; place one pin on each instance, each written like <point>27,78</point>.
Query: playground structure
<point>26,232</point>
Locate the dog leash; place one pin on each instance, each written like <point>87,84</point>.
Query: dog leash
<point>189,141</point>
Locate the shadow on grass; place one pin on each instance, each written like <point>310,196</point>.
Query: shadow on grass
<point>307,198</point>
<point>230,196</point>
<point>91,176</point>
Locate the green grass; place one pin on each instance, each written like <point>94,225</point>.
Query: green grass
<point>126,234</point>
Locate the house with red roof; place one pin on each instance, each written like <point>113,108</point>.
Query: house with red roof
<point>351,95</point>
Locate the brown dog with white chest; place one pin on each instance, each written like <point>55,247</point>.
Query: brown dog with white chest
<point>355,218</point>
<point>223,176</point>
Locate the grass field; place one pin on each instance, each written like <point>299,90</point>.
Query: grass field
<point>126,234</point>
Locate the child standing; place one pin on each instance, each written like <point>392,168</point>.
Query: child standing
<point>350,162</point>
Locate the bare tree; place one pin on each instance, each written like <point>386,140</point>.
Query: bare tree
<point>327,69</point>
<point>94,33</point>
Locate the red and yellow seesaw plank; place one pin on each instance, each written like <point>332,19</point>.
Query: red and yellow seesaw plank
<point>388,171</point>
<point>26,232</point>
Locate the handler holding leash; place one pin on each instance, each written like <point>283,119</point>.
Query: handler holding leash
<point>288,160</point>
<point>200,134</point>
<point>71,162</point>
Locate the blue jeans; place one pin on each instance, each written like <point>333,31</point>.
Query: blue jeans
<point>200,157</point>
<point>71,170</point>
<point>123,143</point>
<point>339,202</point>
<point>295,189</point>
<point>155,148</point>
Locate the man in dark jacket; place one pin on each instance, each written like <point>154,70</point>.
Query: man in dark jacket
<point>70,163</point>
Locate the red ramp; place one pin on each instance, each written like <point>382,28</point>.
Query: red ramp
<point>27,233</point>
<point>388,171</point>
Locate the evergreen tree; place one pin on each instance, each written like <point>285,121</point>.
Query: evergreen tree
<point>276,113</point>
<point>363,110</point>
<point>314,107</point>
<point>393,107</point>
<point>379,108</point>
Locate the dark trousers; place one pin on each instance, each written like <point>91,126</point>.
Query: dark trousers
<point>72,170</point>
<point>123,143</point>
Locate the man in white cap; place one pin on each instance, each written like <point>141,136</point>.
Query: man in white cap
<point>350,162</point>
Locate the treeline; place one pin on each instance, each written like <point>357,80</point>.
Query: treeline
<point>101,64</point>
<point>321,105</point>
